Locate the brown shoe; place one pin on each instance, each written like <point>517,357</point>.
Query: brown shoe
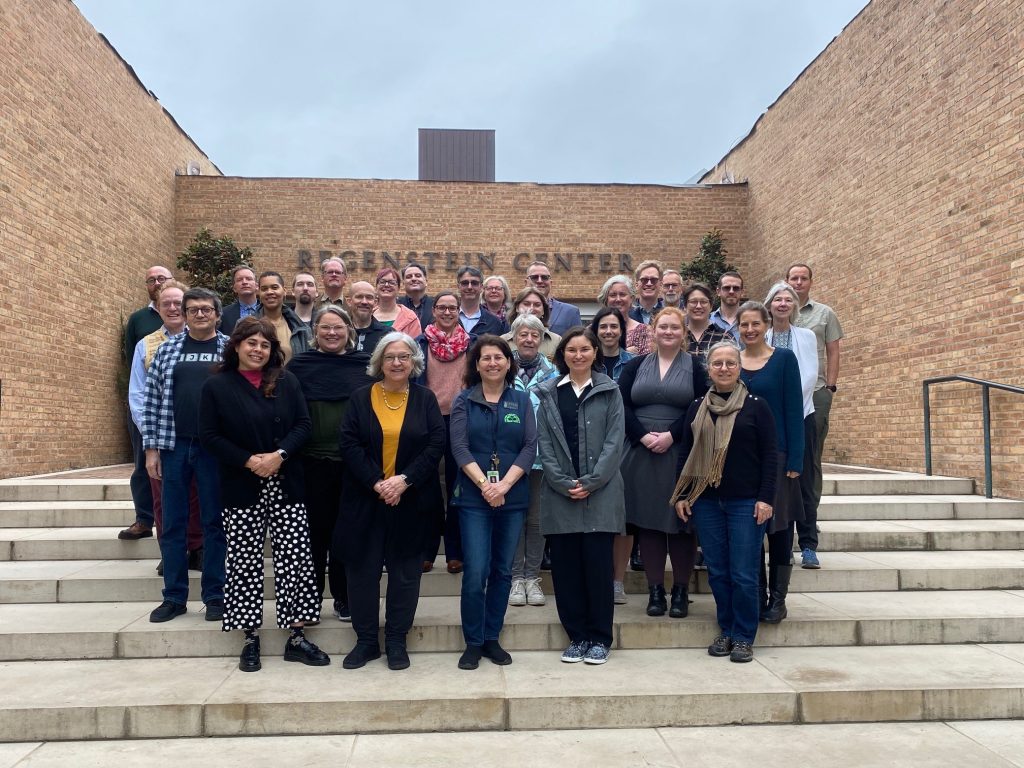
<point>454,566</point>
<point>135,531</point>
<point>428,566</point>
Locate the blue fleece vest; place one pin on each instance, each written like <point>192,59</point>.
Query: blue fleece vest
<point>496,428</point>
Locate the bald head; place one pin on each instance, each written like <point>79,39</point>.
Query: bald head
<point>362,301</point>
<point>155,277</point>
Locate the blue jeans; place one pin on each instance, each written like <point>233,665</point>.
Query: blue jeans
<point>731,541</point>
<point>489,539</point>
<point>186,460</point>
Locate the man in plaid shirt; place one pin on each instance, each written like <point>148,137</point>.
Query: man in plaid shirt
<point>174,455</point>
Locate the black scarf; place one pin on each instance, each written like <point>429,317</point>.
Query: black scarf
<point>330,377</point>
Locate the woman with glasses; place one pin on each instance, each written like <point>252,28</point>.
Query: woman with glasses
<point>391,440</point>
<point>328,374</point>
<point>726,483</point>
<point>389,311</point>
<point>618,292</point>
<point>657,390</point>
<point>701,333</point>
<point>497,297</point>
<point>443,345</point>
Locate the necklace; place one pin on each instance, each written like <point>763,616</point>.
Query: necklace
<point>389,406</point>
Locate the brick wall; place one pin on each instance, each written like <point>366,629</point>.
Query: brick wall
<point>87,161</point>
<point>893,165</point>
<point>279,218</point>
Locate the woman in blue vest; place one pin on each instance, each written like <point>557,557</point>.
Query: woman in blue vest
<point>494,441</point>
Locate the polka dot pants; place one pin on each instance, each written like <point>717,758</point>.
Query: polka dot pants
<point>294,579</point>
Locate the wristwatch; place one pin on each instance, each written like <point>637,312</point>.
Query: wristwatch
<point>831,388</point>
<point>405,479</point>
<point>283,454</point>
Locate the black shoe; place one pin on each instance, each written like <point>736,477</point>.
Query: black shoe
<point>778,588</point>
<point>359,655</point>
<point>720,646</point>
<point>195,560</point>
<point>249,660</point>
<point>305,652</point>
<point>160,567</point>
<point>470,658</point>
<point>545,560</point>
<point>215,609</point>
<point>492,650</point>
<point>741,652</point>
<point>680,602</point>
<point>636,563</point>
<point>341,611</point>
<point>166,611</point>
<point>656,603</point>
<point>136,531</point>
<point>398,656</point>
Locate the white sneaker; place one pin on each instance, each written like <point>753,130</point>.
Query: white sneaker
<point>534,594</point>
<point>620,593</point>
<point>518,594</point>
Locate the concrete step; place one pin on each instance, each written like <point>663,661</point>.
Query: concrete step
<point>923,507</point>
<point>83,581</point>
<point>962,743</point>
<point>60,700</point>
<point>66,514</point>
<point>64,489</point>
<point>936,535</point>
<point>122,630</point>
<point>879,483</point>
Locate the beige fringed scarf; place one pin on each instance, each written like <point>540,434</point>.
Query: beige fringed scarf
<point>706,461</point>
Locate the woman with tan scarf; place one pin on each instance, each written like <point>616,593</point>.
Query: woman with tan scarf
<point>727,483</point>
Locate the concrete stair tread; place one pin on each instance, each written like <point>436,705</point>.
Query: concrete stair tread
<point>65,514</point>
<point>967,744</point>
<point>103,699</point>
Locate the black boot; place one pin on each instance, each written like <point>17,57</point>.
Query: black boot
<point>636,563</point>
<point>762,590</point>
<point>778,586</point>
<point>656,603</point>
<point>680,602</point>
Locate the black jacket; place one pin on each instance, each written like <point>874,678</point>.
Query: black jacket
<point>488,323</point>
<point>236,421</point>
<point>231,315</point>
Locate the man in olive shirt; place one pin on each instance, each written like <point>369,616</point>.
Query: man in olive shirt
<point>822,320</point>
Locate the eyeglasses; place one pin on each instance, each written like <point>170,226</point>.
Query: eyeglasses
<point>494,288</point>
<point>671,286</point>
<point>469,283</point>
<point>334,273</point>
<point>403,358</point>
<point>445,308</point>
<point>332,328</point>
<point>540,278</point>
<point>159,280</point>
<point>391,283</point>
<point>698,303</point>
<point>200,311</point>
<point>728,364</point>
<point>170,305</point>
<point>649,280</point>
<point>731,288</point>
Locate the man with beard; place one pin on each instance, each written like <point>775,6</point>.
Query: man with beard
<point>304,291</point>
<point>730,294</point>
<point>369,330</point>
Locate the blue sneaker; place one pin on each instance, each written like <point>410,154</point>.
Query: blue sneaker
<point>810,559</point>
<point>598,654</point>
<point>575,652</point>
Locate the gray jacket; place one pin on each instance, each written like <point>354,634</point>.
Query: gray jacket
<point>602,436</point>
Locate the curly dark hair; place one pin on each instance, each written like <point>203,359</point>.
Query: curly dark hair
<point>472,375</point>
<point>602,313</point>
<point>245,328</point>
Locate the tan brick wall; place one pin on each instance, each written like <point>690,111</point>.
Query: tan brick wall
<point>278,218</point>
<point>894,166</point>
<point>87,160</point>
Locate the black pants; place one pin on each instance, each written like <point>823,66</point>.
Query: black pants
<point>447,523</point>
<point>581,569</point>
<point>142,493</point>
<point>807,529</point>
<point>323,497</point>
<point>364,589</point>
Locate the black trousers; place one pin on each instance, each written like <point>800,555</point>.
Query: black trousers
<point>807,529</point>
<point>581,569</point>
<point>323,497</point>
<point>447,522</point>
<point>142,493</point>
<point>402,595</point>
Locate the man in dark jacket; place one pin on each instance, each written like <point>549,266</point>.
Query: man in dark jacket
<point>474,317</point>
<point>369,330</point>
<point>243,283</point>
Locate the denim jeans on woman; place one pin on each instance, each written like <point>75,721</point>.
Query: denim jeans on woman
<point>489,538</point>
<point>731,541</point>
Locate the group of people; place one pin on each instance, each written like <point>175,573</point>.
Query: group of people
<point>327,424</point>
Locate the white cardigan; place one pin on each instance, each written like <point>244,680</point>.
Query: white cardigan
<point>805,347</point>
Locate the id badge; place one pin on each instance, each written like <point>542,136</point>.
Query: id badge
<point>493,476</point>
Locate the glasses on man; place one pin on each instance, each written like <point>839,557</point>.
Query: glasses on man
<point>200,311</point>
<point>731,288</point>
<point>469,283</point>
<point>403,358</point>
<point>334,273</point>
<point>726,364</point>
<point>540,278</point>
<point>159,280</point>
<point>649,280</point>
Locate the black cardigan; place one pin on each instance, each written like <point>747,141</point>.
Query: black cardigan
<point>237,421</point>
<point>420,448</point>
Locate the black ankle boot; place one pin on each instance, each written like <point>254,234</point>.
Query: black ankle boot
<point>636,563</point>
<point>656,603</point>
<point>778,586</point>
<point>680,602</point>
<point>762,590</point>
<point>249,660</point>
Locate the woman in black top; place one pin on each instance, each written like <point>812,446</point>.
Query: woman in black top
<point>727,482</point>
<point>253,419</point>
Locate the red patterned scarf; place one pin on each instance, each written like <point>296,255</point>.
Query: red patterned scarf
<point>446,346</point>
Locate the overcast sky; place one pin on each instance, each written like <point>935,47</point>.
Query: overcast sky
<point>576,91</point>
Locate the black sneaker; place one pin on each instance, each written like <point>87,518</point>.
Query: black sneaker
<point>720,646</point>
<point>215,609</point>
<point>166,611</point>
<point>305,652</point>
<point>741,652</point>
<point>492,650</point>
<point>470,658</point>
<point>341,611</point>
<point>398,656</point>
<point>249,660</point>
<point>359,655</point>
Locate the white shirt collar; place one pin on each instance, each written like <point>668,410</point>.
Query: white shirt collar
<point>567,379</point>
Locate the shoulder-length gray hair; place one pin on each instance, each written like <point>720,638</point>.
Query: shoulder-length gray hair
<point>778,288</point>
<point>374,369</point>
<point>602,297</point>
<point>341,314</point>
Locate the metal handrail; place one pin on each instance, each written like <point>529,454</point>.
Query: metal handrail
<point>986,419</point>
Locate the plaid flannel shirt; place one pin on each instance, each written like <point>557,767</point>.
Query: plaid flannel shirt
<point>158,407</point>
